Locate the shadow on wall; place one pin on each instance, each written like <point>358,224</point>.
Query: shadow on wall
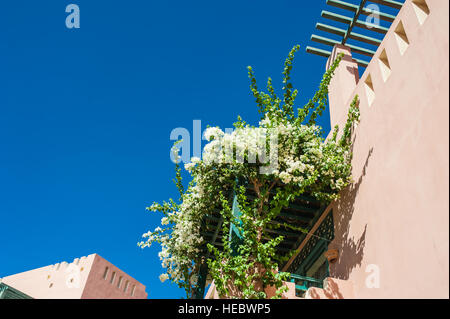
<point>332,292</point>
<point>355,73</point>
<point>351,251</point>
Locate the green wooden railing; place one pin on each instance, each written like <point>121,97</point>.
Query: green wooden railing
<point>302,283</point>
<point>8,292</point>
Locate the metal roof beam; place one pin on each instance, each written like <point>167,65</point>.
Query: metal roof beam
<point>342,32</point>
<point>383,16</point>
<point>371,27</point>
<point>326,54</point>
<point>366,11</point>
<point>343,5</point>
<point>336,17</point>
<point>360,50</point>
<point>363,38</point>
<point>332,42</point>
<point>330,29</point>
<point>389,3</point>
<point>323,40</point>
<point>317,51</point>
<point>362,63</point>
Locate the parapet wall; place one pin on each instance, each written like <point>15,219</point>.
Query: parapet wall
<point>89,277</point>
<point>58,281</point>
<point>392,223</point>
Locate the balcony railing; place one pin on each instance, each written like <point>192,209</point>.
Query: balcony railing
<point>302,283</point>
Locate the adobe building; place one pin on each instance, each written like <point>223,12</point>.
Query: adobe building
<point>388,234</point>
<point>88,277</point>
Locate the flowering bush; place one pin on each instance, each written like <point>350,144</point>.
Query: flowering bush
<point>281,158</point>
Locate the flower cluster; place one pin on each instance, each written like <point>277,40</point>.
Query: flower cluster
<point>181,237</point>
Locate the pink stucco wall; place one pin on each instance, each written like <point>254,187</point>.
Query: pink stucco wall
<point>333,289</point>
<point>81,279</point>
<point>53,281</point>
<point>392,223</point>
<point>394,219</point>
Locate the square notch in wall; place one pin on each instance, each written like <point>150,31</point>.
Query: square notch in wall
<point>401,37</point>
<point>370,92</point>
<point>385,67</point>
<point>421,9</point>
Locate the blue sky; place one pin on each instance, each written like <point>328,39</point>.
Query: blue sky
<point>86,114</point>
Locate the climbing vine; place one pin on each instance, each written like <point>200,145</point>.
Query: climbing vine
<point>281,158</point>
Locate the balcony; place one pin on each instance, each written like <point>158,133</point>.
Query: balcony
<point>303,283</point>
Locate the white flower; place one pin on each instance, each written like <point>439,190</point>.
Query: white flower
<point>339,183</point>
<point>175,152</point>
<point>285,177</point>
<point>264,122</point>
<point>164,221</point>
<point>213,132</point>
<point>153,207</point>
<point>163,277</point>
